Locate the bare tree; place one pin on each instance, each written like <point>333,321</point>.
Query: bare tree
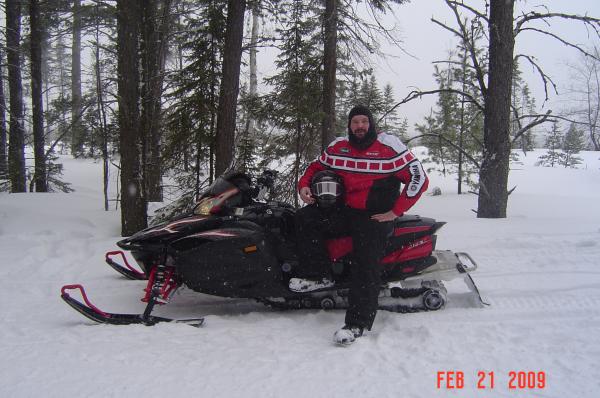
<point>494,84</point>
<point>230,85</point>
<point>585,92</point>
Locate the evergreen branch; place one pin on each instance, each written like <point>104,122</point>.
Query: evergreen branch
<point>67,130</point>
<point>464,37</point>
<point>470,44</point>
<point>452,144</point>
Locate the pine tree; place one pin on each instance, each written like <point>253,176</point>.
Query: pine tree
<point>294,103</point>
<point>188,151</point>
<point>553,143</point>
<point>573,143</point>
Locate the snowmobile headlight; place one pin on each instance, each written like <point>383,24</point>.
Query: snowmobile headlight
<point>203,207</point>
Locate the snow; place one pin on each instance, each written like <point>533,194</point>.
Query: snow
<point>538,269</point>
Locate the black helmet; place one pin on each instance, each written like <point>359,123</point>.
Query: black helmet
<point>327,188</point>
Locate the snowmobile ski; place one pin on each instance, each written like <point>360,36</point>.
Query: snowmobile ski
<point>92,312</point>
<point>128,271</point>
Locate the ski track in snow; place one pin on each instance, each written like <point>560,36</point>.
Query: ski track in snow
<point>538,269</point>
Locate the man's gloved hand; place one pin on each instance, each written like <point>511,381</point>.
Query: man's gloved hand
<point>383,217</point>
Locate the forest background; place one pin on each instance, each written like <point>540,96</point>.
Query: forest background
<point>178,92</point>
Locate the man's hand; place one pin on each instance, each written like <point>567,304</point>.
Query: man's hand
<point>383,217</point>
<point>306,196</point>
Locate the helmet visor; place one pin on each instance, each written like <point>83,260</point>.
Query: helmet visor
<point>327,188</point>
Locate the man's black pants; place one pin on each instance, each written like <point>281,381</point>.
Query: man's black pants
<point>314,226</point>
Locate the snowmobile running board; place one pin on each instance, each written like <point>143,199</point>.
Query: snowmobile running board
<point>92,312</point>
<point>129,272</point>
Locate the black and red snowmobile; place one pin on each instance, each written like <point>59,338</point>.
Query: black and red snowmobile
<point>236,244</point>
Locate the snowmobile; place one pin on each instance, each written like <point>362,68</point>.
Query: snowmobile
<point>236,244</point>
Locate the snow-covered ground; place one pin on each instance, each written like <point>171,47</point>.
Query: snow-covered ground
<point>539,269</point>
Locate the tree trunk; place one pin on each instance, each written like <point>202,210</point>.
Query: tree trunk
<point>76,107</point>
<point>37,108</point>
<point>329,73</point>
<point>101,112</point>
<point>253,89</point>
<point>133,204</point>
<point>16,147</point>
<point>154,47</point>
<point>493,177</point>
<point>230,85</point>
<point>3,140</point>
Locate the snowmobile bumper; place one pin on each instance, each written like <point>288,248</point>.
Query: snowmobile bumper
<point>128,271</point>
<point>92,312</point>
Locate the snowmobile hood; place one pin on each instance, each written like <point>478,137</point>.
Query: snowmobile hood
<point>169,231</point>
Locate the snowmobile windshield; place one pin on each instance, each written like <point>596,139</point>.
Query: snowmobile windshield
<point>219,186</point>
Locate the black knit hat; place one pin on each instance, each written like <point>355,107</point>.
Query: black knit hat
<point>371,135</point>
<point>359,110</point>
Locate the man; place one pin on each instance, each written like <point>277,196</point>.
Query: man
<point>372,167</point>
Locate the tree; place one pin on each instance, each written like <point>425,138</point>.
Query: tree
<point>503,28</point>
<point>133,204</point>
<point>553,143</point>
<point>153,49</point>
<point>41,184</point>
<point>190,120</point>
<point>76,99</point>
<point>3,141</point>
<point>493,176</point>
<point>522,104</point>
<point>292,106</point>
<point>230,83</point>
<point>573,143</point>
<point>16,149</point>
<point>330,21</point>
<point>585,92</point>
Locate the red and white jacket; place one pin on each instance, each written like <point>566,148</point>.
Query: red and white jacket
<point>372,176</point>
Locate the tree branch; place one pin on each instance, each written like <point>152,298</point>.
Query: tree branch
<point>538,120</point>
<point>545,78</point>
<point>563,41</point>
<point>594,23</point>
<point>452,144</point>
<point>418,94</point>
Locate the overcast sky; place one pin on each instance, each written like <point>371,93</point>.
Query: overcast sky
<point>427,42</point>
